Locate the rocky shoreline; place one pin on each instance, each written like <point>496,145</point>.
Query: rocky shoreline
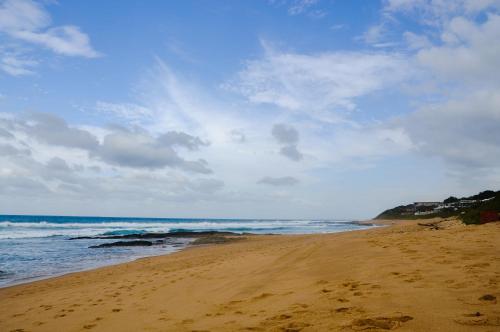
<point>150,239</point>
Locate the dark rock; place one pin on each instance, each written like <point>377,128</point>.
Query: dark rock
<point>182,234</point>
<point>124,244</point>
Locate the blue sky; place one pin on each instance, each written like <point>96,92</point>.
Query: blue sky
<point>256,109</point>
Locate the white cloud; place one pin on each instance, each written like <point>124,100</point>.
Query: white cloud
<point>133,113</point>
<point>26,21</point>
<point>177,104</point>
<point>42,156</point>
<point>53,130</point>
<point>16,65</point>
<point>299,6</point>
<point>459,54</point>
<point>468,51</point>
<point>337,27</point>
<point>118,146</point>
<point>141,150</point>
<point>160,156</point>
<point>416,42</point>
<point>378,36</point>
<point>438,12</point>
<point>322,85</point>
<point>22,15</point>
<point>368,143</point>
<point>65,40</point>
<point>463,131</point>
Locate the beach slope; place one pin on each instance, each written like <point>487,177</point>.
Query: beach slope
<point>404,277</point>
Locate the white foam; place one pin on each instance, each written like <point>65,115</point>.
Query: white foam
<point>9,229</point>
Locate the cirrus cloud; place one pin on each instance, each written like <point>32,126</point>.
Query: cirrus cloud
<point>320,85</point>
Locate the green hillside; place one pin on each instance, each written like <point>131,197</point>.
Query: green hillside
<point>467,208</point>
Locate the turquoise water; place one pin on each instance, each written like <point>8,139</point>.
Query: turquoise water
<point>33,247</point>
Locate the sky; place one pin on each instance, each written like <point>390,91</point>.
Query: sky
<point>329,109</point>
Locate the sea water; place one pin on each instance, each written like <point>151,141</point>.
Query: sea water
<point>35,247</point>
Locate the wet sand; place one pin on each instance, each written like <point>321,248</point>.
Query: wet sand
<point>404,277</point>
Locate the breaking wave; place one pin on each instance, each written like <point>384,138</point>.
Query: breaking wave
<point>79,226</point>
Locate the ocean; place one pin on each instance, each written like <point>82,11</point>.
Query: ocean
<point>37,247</point>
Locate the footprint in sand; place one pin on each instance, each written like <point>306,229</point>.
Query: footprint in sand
<point>281,317</point>
<point>321,282</point>
<point>478,319</point>
<point>384,323</point>
<point>350,310</point>
<point>262,296</point>
<point>17,315</point>
<point>295,326</point>
<point>254,328</point>
<point>488,298</point>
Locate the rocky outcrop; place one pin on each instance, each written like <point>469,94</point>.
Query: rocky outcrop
<point>139,243</point>
<point>170,238</point>
<point>183,234</point>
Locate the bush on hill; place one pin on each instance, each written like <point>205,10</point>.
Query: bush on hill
<point>472,216</point>
<point>488,200</point>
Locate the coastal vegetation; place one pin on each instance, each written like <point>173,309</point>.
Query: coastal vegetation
<point>482,207</point>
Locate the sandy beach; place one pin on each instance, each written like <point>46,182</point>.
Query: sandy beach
<point>405,277</point>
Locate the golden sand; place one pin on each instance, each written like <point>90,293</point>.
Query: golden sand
<point>405,277</point>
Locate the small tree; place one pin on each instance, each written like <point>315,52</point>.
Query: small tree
<point>451,199</point>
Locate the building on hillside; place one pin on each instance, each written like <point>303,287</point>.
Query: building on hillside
<point>424,208</point>
<point>463,203</point>
<point>424,213</point>
<point>426,204</point>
